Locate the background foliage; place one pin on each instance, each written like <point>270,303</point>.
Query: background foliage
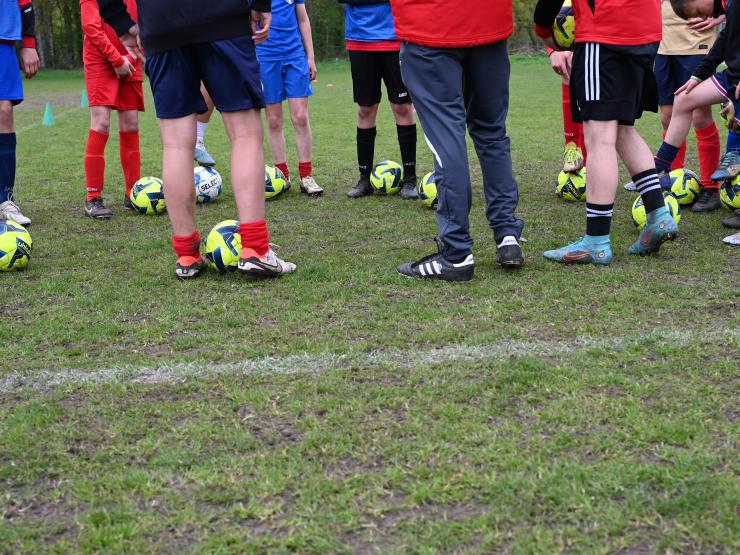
<point>60,38</point>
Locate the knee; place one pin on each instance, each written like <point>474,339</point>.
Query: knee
<point>274,122</point>
<point>366,112</point>
<point>128,124</point>
<point>402,111</point>
<point>665,118</point>
<point>683,104</point>
<point>6,117</point>
<point>101,126</point>
<point>702,117</point>
<point>299,119</point>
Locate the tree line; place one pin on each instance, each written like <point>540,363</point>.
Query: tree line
<point>60,38</point>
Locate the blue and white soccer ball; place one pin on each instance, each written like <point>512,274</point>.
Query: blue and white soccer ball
<point>208,184</point>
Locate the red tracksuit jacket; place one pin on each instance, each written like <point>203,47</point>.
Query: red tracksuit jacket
<point>101,44</point>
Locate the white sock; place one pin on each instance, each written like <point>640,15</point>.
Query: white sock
<point>201,134</point>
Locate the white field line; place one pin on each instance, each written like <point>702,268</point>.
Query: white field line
<point>17,381</point>
<point>38,124</point>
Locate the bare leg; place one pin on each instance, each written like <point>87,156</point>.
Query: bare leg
<point>100,119</point>
<point>178,141</point>
<point>367,116</point>
<point>704,94</point>
<point>302,126</point>
<point>404,114</point>
<point>633,150</point>
<point>275,133</point>
<point>6,117</point>
<point>603,172</point>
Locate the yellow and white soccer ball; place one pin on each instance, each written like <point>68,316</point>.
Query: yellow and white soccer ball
<point>684,185</point>
<point>571,186</point>
<point>224,246</point>
<point>386,177</point>
<point>639,217</point>
<point>729,194</point>
<point>564,28</point>
<point>15,246</point>
<point>275,182</point>
<point>147,196</point>
<point>208,184</point>
<point>427,191</point>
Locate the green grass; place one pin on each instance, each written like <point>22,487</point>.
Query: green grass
<point>343,408</point>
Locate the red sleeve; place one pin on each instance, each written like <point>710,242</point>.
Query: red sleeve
<point>92,27</point>
<point>28,24</point>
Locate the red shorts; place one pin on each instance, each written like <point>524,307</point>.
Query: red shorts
<point>105,89</point>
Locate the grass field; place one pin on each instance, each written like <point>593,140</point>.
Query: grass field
<point>343,408</point>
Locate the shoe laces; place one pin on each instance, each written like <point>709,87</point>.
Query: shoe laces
<point>97,202</point>
<point>440,252</point>
<point>10,206</point>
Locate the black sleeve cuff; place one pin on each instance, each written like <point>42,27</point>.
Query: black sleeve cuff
<point>114,13</point>
<point>264,6</point>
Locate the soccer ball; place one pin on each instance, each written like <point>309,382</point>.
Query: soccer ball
<point>147,196</point>
<point>572,185</point>
<point>15,246</point>
<point>208,184</point>
<point>224,246</point>
<point>275,182</point>
<point>729,194</point>
<point>684,185</point>
<point>639,218</point>
<point>386,177</point>
<point>427,191</point>
<point>564,28</point>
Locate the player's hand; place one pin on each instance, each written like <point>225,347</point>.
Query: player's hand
<point>125,70</point>
<point>687,87</point>
<point>728,113</point>
<point>261,22</point>
<point>132,41</point>
<point>30,62</point>
<point>561,62</point>
<point>702,24</point>
<point>312,71</point>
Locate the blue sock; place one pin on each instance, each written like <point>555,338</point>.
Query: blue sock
<point>7,166</point>
<point>733,142</point>
<point>665,157</point>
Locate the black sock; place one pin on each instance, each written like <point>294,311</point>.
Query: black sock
<point>647,184</point>
<point>598,218</point>
<point>365,149</point>
<point>407,142</point>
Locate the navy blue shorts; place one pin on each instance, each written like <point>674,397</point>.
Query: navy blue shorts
<point>228,68</point>
<point>671,72</point>
<point>726,89</point>
<point>11,84</point>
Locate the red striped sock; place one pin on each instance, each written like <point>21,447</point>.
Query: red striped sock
<point>187,245</point>
<point>130,158</point>
<point>95,164</point>
<point>255,236</point>
<point>305,169</point>
<point>708,145</point>
<point>283,167</point>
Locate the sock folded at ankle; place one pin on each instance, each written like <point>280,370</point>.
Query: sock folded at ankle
<point>187,245</point>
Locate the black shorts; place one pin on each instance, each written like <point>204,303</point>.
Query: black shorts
<point>610,83</point>
<point>369,69</point>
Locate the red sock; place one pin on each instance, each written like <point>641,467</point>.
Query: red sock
<point>130,158</point>
<point>305,169</point>
<point>95,164</point>
<point>707,143</point>
<point>256,236</point>
<point>283,167</point>
<point>680,160</point>
<point>570,128</point>
<point>187,245</point>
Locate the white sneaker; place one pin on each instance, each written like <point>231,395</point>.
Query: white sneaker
<point>310,187</point>
<point>10,211</point>
<point>630,187</point>
<point>733,240</point>
<point>268,266</point>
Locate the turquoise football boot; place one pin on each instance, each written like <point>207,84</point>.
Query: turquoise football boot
<point>202,157</point>
<point>586,250</point>
<point>660,227</point>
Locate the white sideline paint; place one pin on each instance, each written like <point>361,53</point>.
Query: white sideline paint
<point>38,124</point>
<point>17,381</point>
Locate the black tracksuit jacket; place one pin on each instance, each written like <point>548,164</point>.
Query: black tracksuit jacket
<point>726,48</point>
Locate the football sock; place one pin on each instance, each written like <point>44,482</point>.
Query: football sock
<point>708,145</point>
<point>572,131</point>
<point>733,142</point>
<point>7,165</point>
<point>366,149</point>
<point>256,236</point>
<point>666,155</point>
<point>95,164</point>
<point>407,142</point>
<point>283,167</point>
<point>130,158</point>
<point>598,218</point>
<point>201,134</point>
<point>305,169</point>
<point>187,245</point>
<point>680,160</point>
<point>647,184</point>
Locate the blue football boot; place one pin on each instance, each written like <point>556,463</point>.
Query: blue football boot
<point>660,227</point>
<point>586,250</point>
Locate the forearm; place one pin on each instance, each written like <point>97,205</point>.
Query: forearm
<point>304,25</point>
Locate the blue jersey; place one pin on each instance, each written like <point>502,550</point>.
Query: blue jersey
<point>373,23</point>
<point>10,20</point>
<point>285,41</point>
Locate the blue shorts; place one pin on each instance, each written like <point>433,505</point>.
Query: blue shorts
<point>228,68</point>
<point>671,72</point>
<point>11,84</point>
<point>285,79</point>
<point>726,89</point>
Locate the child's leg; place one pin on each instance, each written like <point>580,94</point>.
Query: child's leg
<point>603,175</point>
<point>708,145</point>
<point>572,131</point>
<point>407,137</point>
<point>97,138</point>
<point>205,118</point>
<point>178,142</point>
<point>303,136</point>
<point>7,151</point>
<point>636,155</point>
<point>247,163</point>
<point>666,110</point>
<point>276,136</point>
<point>128,131</point>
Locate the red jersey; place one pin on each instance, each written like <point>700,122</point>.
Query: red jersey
<point>617,22</point>
<point>445,24</point>
<point>101,45</point>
